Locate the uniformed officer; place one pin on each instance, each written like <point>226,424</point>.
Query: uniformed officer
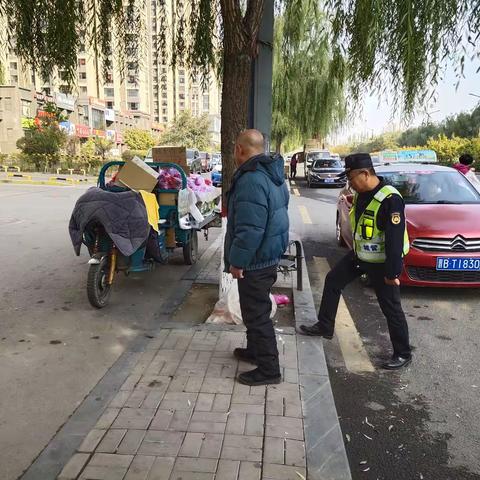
<point>380,242</point>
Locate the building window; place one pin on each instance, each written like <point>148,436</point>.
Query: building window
<point>133,93</point>
<point>26,110</point>
<point>64,89</point>
<point>14,79</point>
<point>83,90</point>
<point>13,66</point>
<point>110,105</point>
<point>47,91</point>
<point>181,80</point>
<point>98,119</point>
<point>182,106</point>
<point>164,103</point>
<point>109,92</point>
<point>81,48</point>
<point>132,79</point>
<point>82,62</point>
<point>133,106</point>
<point>82,75</point>
<point>181,96</point>
<point>63,75</point>
<point>164,111</point>
<point>165,119</point>
<point>206,103</point>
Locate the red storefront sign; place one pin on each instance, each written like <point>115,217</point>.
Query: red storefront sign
<point>82,131</point>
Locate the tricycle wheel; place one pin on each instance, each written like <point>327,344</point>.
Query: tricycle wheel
<point>98,290</point>
<point>190,250</point>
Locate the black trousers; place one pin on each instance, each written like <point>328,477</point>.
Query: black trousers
<point>293,172</point>
<point>254,292</point>
<point>388,296</point>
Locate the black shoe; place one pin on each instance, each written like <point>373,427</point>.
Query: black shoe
<point>315,331</point>
<point>397,362</point>
<point>244,355</point>
<point>256,377</point>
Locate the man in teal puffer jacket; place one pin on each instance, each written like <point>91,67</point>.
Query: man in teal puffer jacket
<point>256,238</point>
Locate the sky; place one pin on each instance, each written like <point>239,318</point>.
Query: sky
<point>377,118</point>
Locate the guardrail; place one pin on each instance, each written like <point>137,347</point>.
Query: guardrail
<point>73,181</point>
<point>10,168</point>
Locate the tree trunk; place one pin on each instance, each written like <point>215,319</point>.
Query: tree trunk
<point>235,95</point>
<point>240,33</point>
<point>278,144</point>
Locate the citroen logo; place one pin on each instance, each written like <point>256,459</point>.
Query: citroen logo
<point>458,243</point>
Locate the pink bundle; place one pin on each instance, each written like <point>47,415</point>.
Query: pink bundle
<point>169,179</point>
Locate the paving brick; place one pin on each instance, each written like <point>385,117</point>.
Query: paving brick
<point>282,472</point>
<point>91,441</point>
<point>274,450</point>
<point>225,369</point>
<point>259,390</point>
<point>205,402</point>
<point>162,419</point>
<point>136,399</point>
<point>217,385</point>
<point>161,443</point>
<point>107,418</point>
<point>74,466</point>
<point>140,467</point>
<point>144,361</point>
<point>131,382</point>
<point>134,418</point>
<point>180,420</point>
<point>153,399</point>
<point>221,402</point>
<point>155,382</point>
<point>250,471</point>
<point>290,375</point>
<point>218,417</point>
<point>104,466</point>
<point>254,424</point>
<point>228,470</point>
<point>200,465</point>
<point>236,423</point>
<point>191,384</point>
<point>206,427</point>
<point>242,447</point>
<point>178,401</point>
<point>284,427</point>
<point>111,441</point>
<point>131,442</point>
<point>295,453</point>
<point>248,399</point>
<point>246,408</point>
<point>161,468</point>
<point>120,398</point>
<point>204,445</point>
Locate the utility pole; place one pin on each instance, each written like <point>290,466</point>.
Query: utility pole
<point>260,115</point>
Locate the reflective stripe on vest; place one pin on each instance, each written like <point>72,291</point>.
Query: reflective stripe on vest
<point>368,240</point>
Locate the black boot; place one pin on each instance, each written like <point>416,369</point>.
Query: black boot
<point>256,377</point>
<point>244,355</point>
<point>315,331</point>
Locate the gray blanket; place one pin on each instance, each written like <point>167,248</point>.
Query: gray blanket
<point>122,214</point>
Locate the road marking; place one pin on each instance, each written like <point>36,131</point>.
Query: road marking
<point>296,192</point>
<point>354,354</point>
<point>304,214</point>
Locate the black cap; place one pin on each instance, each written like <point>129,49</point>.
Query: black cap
<point>357,161</point>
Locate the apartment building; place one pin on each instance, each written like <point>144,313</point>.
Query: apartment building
<point>149,95</point>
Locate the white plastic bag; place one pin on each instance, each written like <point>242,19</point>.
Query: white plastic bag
<point>227,309</point>
<point>183,204</point>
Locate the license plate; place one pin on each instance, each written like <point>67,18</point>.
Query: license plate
<point>329,180</point>
<point>458,264</point>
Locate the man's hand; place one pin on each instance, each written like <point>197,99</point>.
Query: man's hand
<point>236,272</point>
<point>392,281</point>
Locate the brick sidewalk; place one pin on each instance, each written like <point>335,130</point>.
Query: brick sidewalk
<point>181,415</point>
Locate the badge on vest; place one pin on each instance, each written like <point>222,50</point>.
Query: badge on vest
<point>396,219</point>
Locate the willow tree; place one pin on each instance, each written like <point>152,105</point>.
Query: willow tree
<point>308,98</point>
<point>374,43</point>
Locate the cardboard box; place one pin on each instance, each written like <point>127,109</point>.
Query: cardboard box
<point>137,175</point>
<point>177,155</point>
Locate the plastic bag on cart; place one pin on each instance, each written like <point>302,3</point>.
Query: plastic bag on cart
<point>183,202</point>
<point>227,309</point>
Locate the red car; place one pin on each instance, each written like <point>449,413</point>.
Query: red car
<point>442,210</point>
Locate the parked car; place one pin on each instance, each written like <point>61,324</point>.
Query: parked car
<point>326,171</point>
<point>442,211</point>
<point>217,175</point>
<point>205,160</point>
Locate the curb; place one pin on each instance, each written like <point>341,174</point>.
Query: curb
<point>324,445</point>
<point>38,182</point>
